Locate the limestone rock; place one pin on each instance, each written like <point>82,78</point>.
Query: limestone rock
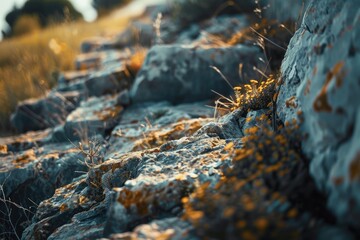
<point>112,79</point>
<point>32,176</point>
<point>94,116</point>
<point>39,114</point>
<point>320,91</point>
<point>178,74</point>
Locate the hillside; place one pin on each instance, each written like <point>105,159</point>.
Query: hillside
<point>225,120</point>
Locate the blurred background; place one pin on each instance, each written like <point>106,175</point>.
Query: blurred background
<point>41,38</point>
<point>85,7</point>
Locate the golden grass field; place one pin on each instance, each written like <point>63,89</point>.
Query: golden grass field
<point>29,64</point>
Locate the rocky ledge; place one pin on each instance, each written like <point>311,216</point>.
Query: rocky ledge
<point>126,147</point>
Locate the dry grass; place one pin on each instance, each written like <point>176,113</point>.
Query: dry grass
<point>30,64</point>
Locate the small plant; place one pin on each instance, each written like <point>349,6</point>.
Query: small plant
<point>92,151</point>
<point>12,221</point>
<point>256,95</point>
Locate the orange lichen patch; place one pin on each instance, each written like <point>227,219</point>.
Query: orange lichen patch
<point>261,223</point>
<point>229,211</point>
<point>25,158</point>
<point>174,131</point>
<point>241,224</point>
<point>229,146</point>
<point>354,168</point>
<point>147,199</point>
<point>247,235</point>
<point>314,71</point>
<point>321,103</point>
<point>166,235</point>
<point>52,155</point>
<point>3,149</point>
<point>108,113</point>
<point>29,137</point>
<point>82,200</point>
<point>292,213</point>
<point>291,102</point>
<point>241,154</point>
<point>338,181</point>
<point>136,61</point>
<point>63,207</point>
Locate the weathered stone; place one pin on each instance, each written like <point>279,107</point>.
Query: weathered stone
<point>138,33</point>
<point>147,126</point>
<point>112,79</point>
<point>131,206</point>
<point>282,11</point>
<point>178,73</point>
<point>39,114</point>
<point>24,141</point>
<point>97,44</point>
<point>96,60</point>
<point>70,76</point>
<point>252,119</point>
<point>173,228</point>
<point>320,91</point>
<point>227,127</point>
<point>94,116</point>
<point>32,176</point>
<point>214,29</point>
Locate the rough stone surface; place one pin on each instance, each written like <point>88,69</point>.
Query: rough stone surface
<point>39,114</point>
<point>97,44</point>
<point>92,117</point>
<point>220,28</point>
<point>320,89</point>
<point>113,79</point>
<point>173,228</point>
<point>30,176</point>
<point>182,74</point>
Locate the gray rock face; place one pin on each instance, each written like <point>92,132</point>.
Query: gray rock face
<point>39,114</point>
<point>113,79</point>
<point>173,228</point>
<point>138,33</point>
<point>178,73</point>
<point>320,89</point>
<point>222,26</point>
<point>283,11</point>
<point>93,117</point>
<point>97,44</point>
<point>159,122</point>
<point>96,60</point>
<point>24,141</point>
<point>32,176</point>
<point>136,185</point>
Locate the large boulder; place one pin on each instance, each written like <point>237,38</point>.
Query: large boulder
<point>321,84</point>
<point>179,73</point>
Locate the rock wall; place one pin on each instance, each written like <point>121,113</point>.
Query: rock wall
<point>321,82</point>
